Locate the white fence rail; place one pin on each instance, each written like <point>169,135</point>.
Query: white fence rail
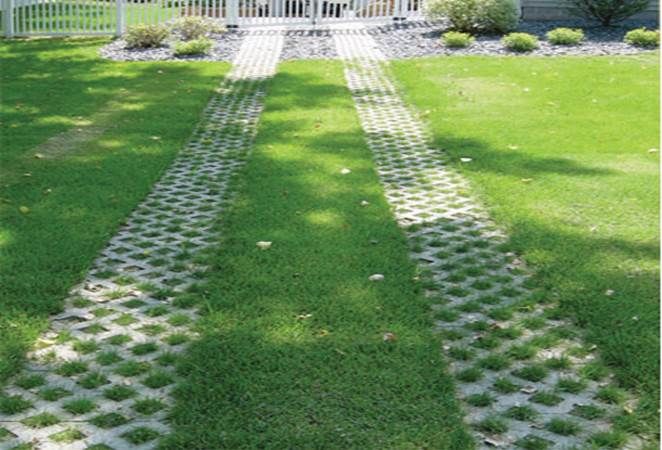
<point>92,17</point>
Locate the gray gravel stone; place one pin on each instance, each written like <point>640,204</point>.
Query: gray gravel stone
<point>225,48</point>
<point>408,39</point>
<point>417,39</point>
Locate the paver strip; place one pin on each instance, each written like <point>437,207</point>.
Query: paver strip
<point>525,378</point>
<point>103,373</point>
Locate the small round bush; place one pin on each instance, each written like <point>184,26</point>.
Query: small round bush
<point>457,39</point>
<point>520,42</point>
<point>641,37</point>
<point>193,47</point>
<point>565,36</point>
<point>145,36</point>
<point>192,27</point>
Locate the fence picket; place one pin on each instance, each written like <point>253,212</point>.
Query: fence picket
<point>82,17</point>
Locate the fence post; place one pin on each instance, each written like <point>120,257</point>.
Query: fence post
<point>232,13</point>
<point>8,17</point>
<point>398,14</point>
<point>120,21</point>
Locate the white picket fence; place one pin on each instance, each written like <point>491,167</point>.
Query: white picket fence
<point>92,17</point>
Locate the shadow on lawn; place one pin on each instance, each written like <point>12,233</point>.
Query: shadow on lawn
<point>577,267</point>
<point>511,162</point>
<point>260,375</point>
<point>264,373</point>
<point>76,201</point>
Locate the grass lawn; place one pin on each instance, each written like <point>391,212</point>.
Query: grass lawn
<point>83,140</point>
<point>560,153</point>
<point>292,351</point>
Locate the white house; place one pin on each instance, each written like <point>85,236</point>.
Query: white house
<point>557,9</point>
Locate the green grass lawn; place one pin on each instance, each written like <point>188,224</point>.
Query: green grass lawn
<point>292,353</point>
<point>560,153</point>
<point>83,140</point>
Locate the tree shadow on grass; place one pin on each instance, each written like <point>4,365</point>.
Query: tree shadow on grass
<point>292,353</point>
<point>77,201</point>
<point>264,373</point>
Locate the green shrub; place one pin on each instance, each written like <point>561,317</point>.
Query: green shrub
<point>641,37</point>
<point>520,42</point>
<point>191,28</point>
<point>475,15</point>
<point>565,36</point>
<point>194,47</point>
<point>457,39</point>
<point>499,16</point>
<point>145,36</point>
<point>607,11</point>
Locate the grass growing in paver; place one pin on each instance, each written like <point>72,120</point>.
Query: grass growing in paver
<point>292,350</point>
<point>59,204</point>
<point>564,152</point>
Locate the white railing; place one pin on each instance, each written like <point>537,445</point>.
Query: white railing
<point>90,17</point>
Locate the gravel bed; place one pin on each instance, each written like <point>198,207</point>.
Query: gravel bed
<point>397,41</point>
<point>410,40</point>
<point>309,44</point>
<point>225,47</point>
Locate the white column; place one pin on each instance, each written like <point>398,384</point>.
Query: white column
<point>8,17</point>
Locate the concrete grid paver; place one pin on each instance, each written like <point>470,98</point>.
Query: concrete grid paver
<point>103,373</point>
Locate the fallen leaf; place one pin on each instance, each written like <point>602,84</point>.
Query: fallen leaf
<point>38,155</point>
<point>513,147</point>
<point>345,171</point>
<point>653,150</point>
<point>526,180</point>
<point>304,316</point>
<point>609,292</point>
<point>466,160</point>
<point>376,277</point>
<point>364,203</point>
<point>529,390</point>
<point>493,442</point>
<point>263,245</point>
<point>389,337</point>
<point>24,209</point>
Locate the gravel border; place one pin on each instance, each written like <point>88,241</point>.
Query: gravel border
<point>225,47</point>
<point>397,41</point>
<point>423,39</point>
